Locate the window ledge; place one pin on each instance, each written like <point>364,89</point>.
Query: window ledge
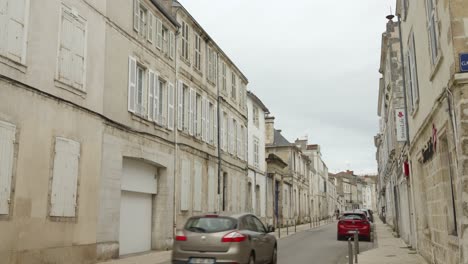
<point>186,61</point>
<point>161,128</point>
<point>13,64</point>
<point>65,219</point>
<point>436,66</point>
<point>140,119</point>
<point>198,71</point>
<point>69,88</point>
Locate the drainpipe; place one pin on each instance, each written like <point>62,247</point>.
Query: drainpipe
<point>219,133</point>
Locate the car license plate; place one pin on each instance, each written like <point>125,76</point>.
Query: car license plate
<point>352,232</point>
<point>201,261</point>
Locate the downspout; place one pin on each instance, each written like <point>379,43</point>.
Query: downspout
<point>176,131</point>
<point>219,133</point>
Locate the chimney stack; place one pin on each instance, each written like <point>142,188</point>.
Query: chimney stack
<point>269,130</point>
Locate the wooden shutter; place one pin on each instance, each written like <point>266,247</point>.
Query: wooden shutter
<point>151,24</point>
<point>157,100</point>
<point>15,29</point>
<point>215,125</point>
<point>78,56</point>
<point>246,144</point>
<point>3,23</point>
<point>151,101</point>
<point>185,186</point>
<point>7,141</point>
<point>211,189</point>
<point>136,15</point>
<point>170,110</point>
<point>66,47</point>
<point>238,138</point>
<point>180,97</point>
<point>203,119</point>
<point>65,177</point>
<point>191,106</point>
<point>159,38</point>
<point>197,187</point>
<point>131,84</point>
<point>208,122</point>
<point>171,45</point>
<point>221,128</point>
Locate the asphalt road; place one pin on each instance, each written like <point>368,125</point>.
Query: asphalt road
<point>316,246</point>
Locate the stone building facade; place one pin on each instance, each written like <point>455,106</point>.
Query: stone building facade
<point>121,141</point>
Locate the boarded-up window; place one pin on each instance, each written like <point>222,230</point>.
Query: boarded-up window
<point>7,140</point>
<point>65,178</point>
<point>71,66</point>
<point>185,186</point>
<point>12,29</point>
<point>197,187</point>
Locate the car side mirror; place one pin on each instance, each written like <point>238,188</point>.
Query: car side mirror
<point>270,229</point>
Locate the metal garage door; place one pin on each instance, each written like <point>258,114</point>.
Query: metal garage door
<point>138,187</point>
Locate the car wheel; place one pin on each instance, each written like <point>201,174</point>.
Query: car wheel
<point>274,257</point>
<point>252,259</point>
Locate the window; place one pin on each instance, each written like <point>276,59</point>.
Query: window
<point>192,105</point>
<point>140,14</point>
<point>198,116</point>
<point>197,54</point>
<point>157,99</point>
<point>186,112</point>
<point>170,99</point>
<point>223,77</point>
<point>13,32</point>
<point>224,131</point>
<point>413,87</point>
<point>210,123</point>
<point>151,27</point>
<point>230,136</point>
<point>71,62</point>
<point>171,45</point>
<point>211,69</point>
<point>255,116</point>
<point>235,137</point>
<point>256,154</point>
<point>233,86</point>
<point>432,29</point>
<point>159,34</point>
<point>240,135</point>
<point>185,41</point>
<point>140,84</point>
<point>65,178</point>
<point>7,141</point>
<point>165,40</point>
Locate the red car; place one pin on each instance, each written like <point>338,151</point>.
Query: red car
<point>352,221</point>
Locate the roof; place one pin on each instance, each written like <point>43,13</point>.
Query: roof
<point>279,140</point>
<point>258,101</point>
<point>165,13</point>
<point>274,158</point>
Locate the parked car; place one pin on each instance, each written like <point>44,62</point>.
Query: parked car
<point>240,238</point>
<point>369,214</point>
<point>351,222</point>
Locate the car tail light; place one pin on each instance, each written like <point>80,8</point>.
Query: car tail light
<point>181,238</point>
<point>211,216</point>
<point>233,237</point>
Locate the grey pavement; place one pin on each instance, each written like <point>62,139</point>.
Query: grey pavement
<point>389,249</point>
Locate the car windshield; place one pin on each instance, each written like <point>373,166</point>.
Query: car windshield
<point>353,217</point>
<point>210,224</point>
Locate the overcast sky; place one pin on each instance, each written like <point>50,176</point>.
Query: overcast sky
<point>314,63</point>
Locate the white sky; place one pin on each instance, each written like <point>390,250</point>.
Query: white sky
<point>314,63</point>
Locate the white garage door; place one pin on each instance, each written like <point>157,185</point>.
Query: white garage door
<point>138,186</point>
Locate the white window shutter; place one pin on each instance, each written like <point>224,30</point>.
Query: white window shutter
<point>78,55</point>
<point>191,111</point>
<point>197,187</point>
<point>208,122</point>
<point>159,37</point>
<point>151,20</point>
<point>15,29</point>
<point>230,135</point>
<point>170,106</point>
<point>151,95</point>
<point>171,45</point>
<point>180,99</point>
<point>211,189</point>
<point>221,128</point>
<point>136,15</point>
<point>185,186</point>
<point>215,125</point>
<point>7,140</point>
<point>238,148</point>
<point>131,84</point>
<point>246,144</point>
<point>64,178</point>
<point>203,119</point>
<point>157,100</point>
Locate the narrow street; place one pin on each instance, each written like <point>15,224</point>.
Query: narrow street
<point>318,245</point>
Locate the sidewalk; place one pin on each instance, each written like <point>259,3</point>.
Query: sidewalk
<point>164,257</point>
<point>389,250</point>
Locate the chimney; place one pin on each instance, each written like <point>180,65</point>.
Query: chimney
<point>269,130</point>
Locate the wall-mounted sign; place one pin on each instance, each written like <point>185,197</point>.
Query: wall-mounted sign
<point>464,62</point>
<point>400,121</point>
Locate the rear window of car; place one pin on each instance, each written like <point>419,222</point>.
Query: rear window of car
<point>210,224</point>
<point>353,217</point>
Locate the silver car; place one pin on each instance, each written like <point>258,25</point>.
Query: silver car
<point>240,238</point>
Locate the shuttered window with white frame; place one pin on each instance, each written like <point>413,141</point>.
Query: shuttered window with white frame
<point>203,119</point>
<point>239,143</point>
<point>212,189</point>
<point>192,103</point>
<point>171,45</point>
<point>185,186</point>
<point>159,36</point>
<point>7,149</point>
<point>215,125</point>
<point>170,103</point>
<point>63,199</point>
<point>209,117</point>
<point>197,187</point>
<point>180,104</point>
<point>71,54</point>
<point>186,106</point>
<point>151,27</point>
<point>13,19</point>
<point>131,84</point>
